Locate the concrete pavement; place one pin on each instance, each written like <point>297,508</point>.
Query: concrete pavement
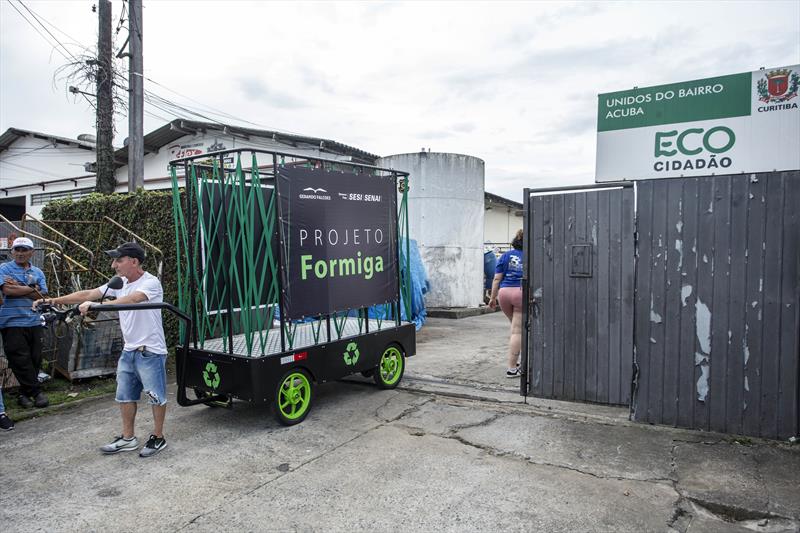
<point>454,450</point>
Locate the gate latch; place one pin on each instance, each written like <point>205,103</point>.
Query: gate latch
<point>581,261</point>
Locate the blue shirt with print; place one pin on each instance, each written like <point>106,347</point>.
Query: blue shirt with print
<point>510,265</point>
<point>16,311</point>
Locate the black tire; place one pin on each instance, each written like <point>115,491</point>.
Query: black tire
<point>391,367</point>
<point>293,397</point>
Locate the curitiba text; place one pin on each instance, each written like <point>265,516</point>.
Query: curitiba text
<point>330,268</point>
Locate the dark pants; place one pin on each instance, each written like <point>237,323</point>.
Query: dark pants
<point>23,348</point>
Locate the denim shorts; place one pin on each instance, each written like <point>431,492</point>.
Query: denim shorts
<point>142,371</point>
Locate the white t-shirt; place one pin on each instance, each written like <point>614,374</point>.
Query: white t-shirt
<point>141,327</point>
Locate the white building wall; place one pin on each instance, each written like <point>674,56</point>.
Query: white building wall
<point>445,213</point>
<point>31,160</point>
<point>500,225</point>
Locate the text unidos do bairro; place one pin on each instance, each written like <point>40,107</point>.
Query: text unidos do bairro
<point>631,105</point>
<point>361,265</point>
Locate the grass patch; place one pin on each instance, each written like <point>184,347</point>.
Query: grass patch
<point>60,392</point>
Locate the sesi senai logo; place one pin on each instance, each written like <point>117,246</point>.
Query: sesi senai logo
<point>778,87</point>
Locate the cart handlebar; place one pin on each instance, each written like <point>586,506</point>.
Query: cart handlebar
<point>135,307</point>
<point>182,399</point>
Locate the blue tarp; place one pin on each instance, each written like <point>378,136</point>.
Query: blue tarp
<point>419,285</point>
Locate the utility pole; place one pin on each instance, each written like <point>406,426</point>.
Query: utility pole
<point>136,101</point>
<point>106,180</point>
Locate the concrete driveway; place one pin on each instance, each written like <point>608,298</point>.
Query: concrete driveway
<point>454,450</point>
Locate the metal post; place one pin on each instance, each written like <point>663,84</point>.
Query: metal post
<point>191,325</point>
<point>281,259</point>
<point>136,99</point>
<point>189,186</point>
<point>526,304</point>
<point>399,315</point>
<point>226,239</point>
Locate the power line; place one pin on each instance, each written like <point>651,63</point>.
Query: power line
<point>48,31</point>
<point>159,102</point>
<point>31,169</point>
<point>30,151</point>
<point>121,18</point>
<point>56,48</point>
<point>217,111</point>
<point>59,30</point>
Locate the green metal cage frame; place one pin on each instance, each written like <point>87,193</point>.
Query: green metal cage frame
<point>256,280</point>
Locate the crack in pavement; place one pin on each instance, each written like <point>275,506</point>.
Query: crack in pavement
<point>308,461</point>
<point>405,412</point>
<point>679,515</point>
<point>761,480</point>
<point>679,511</point>
<point>722,512</point>
<point>530,460</point>
<point>452,435</point>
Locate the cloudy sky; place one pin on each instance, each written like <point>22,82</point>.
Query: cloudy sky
<point>513,83</point>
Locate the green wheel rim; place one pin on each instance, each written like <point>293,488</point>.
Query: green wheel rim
<point>294,396</point>
<point>391,366</point>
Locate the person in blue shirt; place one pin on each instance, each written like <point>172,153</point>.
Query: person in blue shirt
<point>20,326</point>
<point>507,290</point>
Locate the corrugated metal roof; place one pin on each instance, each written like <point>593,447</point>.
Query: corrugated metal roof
<point>11,135</point>
<point>178,128</point>
<point>493,198</point>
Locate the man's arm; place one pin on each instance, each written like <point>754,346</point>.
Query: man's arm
<point>10,289</point>
<point>73,298</point>
<point>132,298</point>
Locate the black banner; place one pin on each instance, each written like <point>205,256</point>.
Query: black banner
<point>339,232</point>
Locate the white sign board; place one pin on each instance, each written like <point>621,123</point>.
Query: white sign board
<point>746,122</point>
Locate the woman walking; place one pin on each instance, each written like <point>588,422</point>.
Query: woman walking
<point>507,289</point>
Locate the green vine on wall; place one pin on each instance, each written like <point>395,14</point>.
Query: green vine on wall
<point>148,214</point>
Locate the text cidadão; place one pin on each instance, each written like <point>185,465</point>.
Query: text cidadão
<point>348,266</point>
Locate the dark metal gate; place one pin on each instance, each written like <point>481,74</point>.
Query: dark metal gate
<point>717,295</point>
<point>579,262</point>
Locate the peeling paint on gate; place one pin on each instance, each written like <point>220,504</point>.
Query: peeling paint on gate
<point>686,291</point>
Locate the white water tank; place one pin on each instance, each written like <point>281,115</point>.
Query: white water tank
<point>445,214</point>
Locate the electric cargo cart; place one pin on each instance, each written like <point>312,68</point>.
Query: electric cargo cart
<point>292,271</point>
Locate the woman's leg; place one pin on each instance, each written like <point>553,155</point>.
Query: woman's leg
<point>506,301</point>
<point>515,342</point>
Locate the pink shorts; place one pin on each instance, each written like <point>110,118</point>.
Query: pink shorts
<point>510,299</point>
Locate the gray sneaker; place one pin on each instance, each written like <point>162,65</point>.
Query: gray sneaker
<point>153,446</point>
<point>120,444</point>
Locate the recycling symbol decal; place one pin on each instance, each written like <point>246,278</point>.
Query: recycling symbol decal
<point>211,375</point>
<point>351,354</point>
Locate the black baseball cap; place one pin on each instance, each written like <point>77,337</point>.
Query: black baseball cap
<point>129,249</point>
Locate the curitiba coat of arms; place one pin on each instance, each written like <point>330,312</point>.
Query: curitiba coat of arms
<point>778,86</point>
